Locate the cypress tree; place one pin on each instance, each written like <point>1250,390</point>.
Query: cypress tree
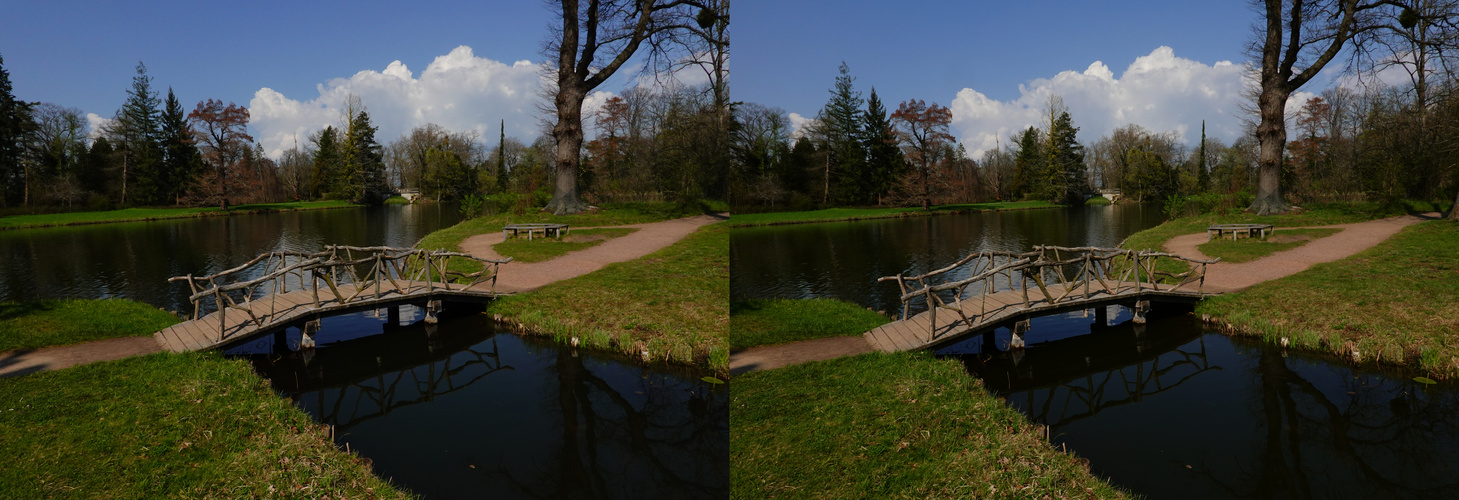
<point>1203,177</point>
<point>501,160</point>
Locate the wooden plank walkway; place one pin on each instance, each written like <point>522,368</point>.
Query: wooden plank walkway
<point>916,332</point>
<point>287,308</point>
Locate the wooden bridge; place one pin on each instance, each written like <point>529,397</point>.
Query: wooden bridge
<point>1003,294</point>
<point>279,289</point>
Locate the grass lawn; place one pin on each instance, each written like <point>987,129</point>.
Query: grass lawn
<point>1249,249</point>
<point>168,425</point>
<point>765,322</point>
<point>1097,201</point>
<point>31,325</point>
<point>845,214</point>
<point>902,425</point>
<point>1393,303</point>
<point>672,304</point>
<point>540,249</point>
<point>142,214</point>
<point>611,214</point>
<point>397,200</point>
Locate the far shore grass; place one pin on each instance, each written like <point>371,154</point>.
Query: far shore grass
<point>850,214</point>
<point>902,425</point>
<point>523,249</point>
<point>671,305</point>
<point>610,214</point>
<point>165,425</point>
<point>46,323</point>
<point>146,214</point>
<point>1393,304</point>
<point>778,321</point>
<point>1249,249</point>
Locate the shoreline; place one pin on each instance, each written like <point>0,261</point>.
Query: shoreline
<point>907,213</point>
<point>194,213</point>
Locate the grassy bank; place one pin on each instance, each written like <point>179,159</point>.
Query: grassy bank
<point>890,426</point>
<point>1392,304</point>
<point>1313,215</point>
<point>540,249</point>
<point>1249,249</point>
<point>669,305</point>
<point>396,200</point>
<point>847,214</point>
<point>615,214</point>
<point>145,214</point>
<point>32,325</point>
<point>167,425</point>
<point>766,322</point>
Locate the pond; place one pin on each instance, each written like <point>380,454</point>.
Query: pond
<point>1169,409</point>
<point>463,410</point>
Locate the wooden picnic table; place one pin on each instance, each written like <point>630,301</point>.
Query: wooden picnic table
<point>1216,230</point>
<point>556,230</point>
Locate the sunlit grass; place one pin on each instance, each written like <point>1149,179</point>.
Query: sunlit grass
<point>766,322</point>
<point>1249,249</point>
<point>540,249</point>
<point>902,425</point>
<point>31,325</point>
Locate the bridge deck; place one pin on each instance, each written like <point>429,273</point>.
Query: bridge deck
<point>915,332</point>
<point>287,308</point>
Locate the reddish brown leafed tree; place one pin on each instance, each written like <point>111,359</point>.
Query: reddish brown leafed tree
<point>922,129</point>
<point>224,140</point>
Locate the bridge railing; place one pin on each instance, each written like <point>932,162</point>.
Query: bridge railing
<point>1094,267</point>
<point>408,270</point>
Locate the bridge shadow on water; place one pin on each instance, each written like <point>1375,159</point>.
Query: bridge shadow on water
<point>462,410</point>
<point>1173,410</point>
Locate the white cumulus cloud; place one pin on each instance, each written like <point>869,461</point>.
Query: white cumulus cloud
<point>458,91</point>
<point>1159,91</point>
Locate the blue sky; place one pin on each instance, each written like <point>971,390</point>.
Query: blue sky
<point>1008,56</point>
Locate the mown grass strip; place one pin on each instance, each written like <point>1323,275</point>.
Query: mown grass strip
<point>1249,249</point>
<point>767,322</point>
<point>902,425</point>
<point>1391,304</point>
<point>849,214</point>
<point>168,425</point>
<point>540,249</point>
<point>672,304</point>
<point>145,214</point>
<point>45,323</point>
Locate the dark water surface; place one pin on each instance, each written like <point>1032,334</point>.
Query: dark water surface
<point>1165,410</point>
<point>133,260</point>
<point>1175,410</point>
<point>462,411</point>
<point>842,260</point>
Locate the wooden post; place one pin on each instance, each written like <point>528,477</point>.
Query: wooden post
<point>1019,329</point>
<point>306,339</point>
<point>1101,316</point>
<point>393,315</point>
<point>432,307</point>
<point>1141,307</point>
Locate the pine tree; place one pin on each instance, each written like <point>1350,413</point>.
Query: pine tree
<point>841,129</point>
<point>1064,166</point>
<point>364,162</point>
<point>1026,165</point>
<point>94,170</point>
<point>139,126</point>
<point>15,129</point>
<point>328,164</point>
<point>181,161</point>
<point>884,161</point>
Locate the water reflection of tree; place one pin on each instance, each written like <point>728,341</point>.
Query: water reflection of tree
<point>1370,437</point>
<point>613,447</point>
<point>1074,399</point>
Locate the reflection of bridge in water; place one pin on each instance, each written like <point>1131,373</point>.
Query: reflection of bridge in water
<point>1074,378</point>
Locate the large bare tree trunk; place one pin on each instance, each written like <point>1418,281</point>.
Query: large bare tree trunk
<point>569,135</point>
<point>1271,134</point>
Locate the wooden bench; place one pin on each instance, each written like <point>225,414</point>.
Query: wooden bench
<point>1215,231</point>
<point>556,230</point>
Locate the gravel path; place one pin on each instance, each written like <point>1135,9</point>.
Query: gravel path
<point>1353,238</point>
<point>776,356</point>
<point>26,361</point>
<point>528,276</point>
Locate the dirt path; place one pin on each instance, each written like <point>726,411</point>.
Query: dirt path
<point>515,277</point>
<point>1220,277</point>
<point>528,276</point>
<point>1354,238</point>
<point>26,361</point>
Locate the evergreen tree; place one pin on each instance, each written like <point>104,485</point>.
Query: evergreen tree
<point>328,164</point>
<point>1026,165</point>
<point>95,168</point>
<point>501,159</point>
<point>138,125</point>
<point>15,127</point>
<point>884,161</point>
<point>1063,177</point>
<point>840,129</point>
<point>181,161</point>
<point>364,162</point>
<point>1203,177</point>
